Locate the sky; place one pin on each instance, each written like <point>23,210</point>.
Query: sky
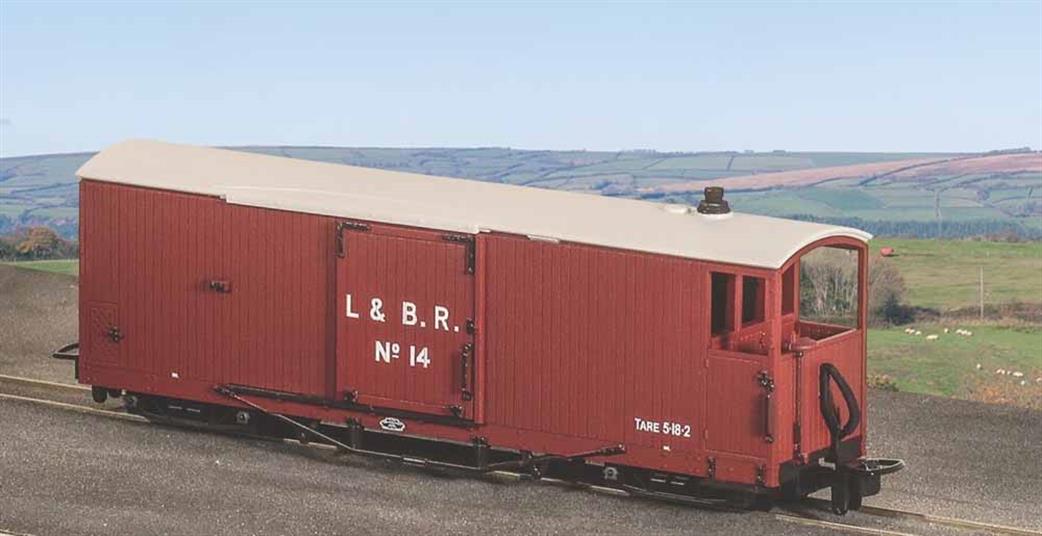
<point>598,76</point>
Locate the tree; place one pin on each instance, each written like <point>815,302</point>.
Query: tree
<point>829,289</point>
<point>886,294</point>
<point>7,250</point>
<point>41,243</point>
<point>828,286</point>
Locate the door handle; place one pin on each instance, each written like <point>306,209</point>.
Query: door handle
<point>465,361</point>
<point>767,384</point>
<point>221,286</point>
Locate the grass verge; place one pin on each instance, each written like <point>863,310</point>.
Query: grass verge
<point>61,266</point>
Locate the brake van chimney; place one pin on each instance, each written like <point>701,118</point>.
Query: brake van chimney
<point>714,202</point>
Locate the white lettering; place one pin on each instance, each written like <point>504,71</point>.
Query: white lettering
<point>375,306</point>
<point>409,313</point>
<point>422,358</point>
<point>383,351</point>
<point>350,313</point>
<point>674,429</point>
<point>441,317</point>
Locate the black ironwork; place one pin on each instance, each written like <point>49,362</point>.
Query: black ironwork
<point>341,248</point>
<point>767,384</point>
<point>348,404</point>
<point>523,463</point>
<point>70,352</point>
<point>465,358</point>
<point>470,254</point>
<point>842,498</point>
<point>221,286</point>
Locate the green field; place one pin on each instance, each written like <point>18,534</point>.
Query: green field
<point>945,274</point>
<point>843,199</point>
<point>948,366</point>
<point>63,266</point>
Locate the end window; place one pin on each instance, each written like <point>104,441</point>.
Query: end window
<point>829,287</point>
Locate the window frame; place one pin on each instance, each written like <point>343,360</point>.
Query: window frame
<point>840,241</point>
<point>859,304</point>
<point>730,337</point>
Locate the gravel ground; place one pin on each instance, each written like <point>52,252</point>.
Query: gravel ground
<point>967,460</point>
<point>37,316</point>
<point>101,476</point>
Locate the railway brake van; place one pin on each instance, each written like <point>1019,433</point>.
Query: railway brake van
<point>684,353</point>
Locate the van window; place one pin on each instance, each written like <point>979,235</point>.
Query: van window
<point>829,286</point>
<point>752,300</point>
<point>722,297</point>
<point>738,311</point>
<point>788,294</point>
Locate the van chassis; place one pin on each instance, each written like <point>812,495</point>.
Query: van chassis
<point>849,481</point>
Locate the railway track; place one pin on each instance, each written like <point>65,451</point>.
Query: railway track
<point>814,512</point>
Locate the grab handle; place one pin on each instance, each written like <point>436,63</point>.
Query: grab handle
<point>465,358</point>
<point>830,373</point>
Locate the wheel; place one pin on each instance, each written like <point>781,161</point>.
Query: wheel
<point>99,394</point>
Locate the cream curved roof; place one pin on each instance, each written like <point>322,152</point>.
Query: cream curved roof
<point>456,205</point>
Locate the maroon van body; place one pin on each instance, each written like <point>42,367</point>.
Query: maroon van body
<point>530,344</point>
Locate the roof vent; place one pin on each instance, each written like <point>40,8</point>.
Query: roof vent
<point>714,202</point>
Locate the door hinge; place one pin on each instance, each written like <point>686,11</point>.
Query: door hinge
<point>341,249</point>
<point>710,467</point>
<point>761,475</point>
<point>469,254</point>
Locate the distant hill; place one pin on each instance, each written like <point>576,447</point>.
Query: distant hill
<point>908,194</point>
